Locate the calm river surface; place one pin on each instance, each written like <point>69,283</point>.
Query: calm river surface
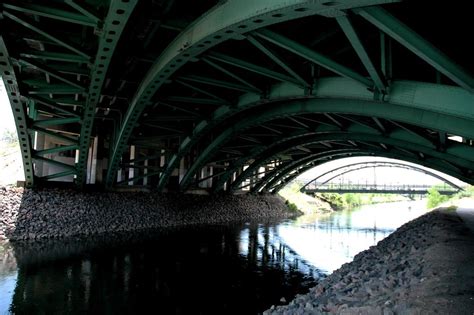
<point>226,269</point>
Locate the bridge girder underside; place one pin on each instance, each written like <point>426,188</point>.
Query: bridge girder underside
<point>228,95</point>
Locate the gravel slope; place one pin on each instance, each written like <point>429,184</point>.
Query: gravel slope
<point>425,267</point>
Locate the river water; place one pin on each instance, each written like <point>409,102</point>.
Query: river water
<point>225,269</point>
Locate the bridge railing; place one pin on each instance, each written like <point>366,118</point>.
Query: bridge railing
<point>370,187</point>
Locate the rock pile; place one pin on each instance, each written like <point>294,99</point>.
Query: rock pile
<point>52,213</point>
<point>424,267</point>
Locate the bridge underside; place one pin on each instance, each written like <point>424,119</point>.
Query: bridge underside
<point>234,95</point>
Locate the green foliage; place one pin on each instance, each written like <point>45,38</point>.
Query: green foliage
<point>352,200</point>
<point>9,136</point>
<point>435,198</point>
<point>292,207</point>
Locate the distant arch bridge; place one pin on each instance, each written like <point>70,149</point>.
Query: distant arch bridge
<point>324,181</point>
<point>236,95</point>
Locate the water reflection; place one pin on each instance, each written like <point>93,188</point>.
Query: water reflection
<point>232,270</point>
<point>237,269</point>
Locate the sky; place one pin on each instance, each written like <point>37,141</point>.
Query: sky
<point>6,115</point>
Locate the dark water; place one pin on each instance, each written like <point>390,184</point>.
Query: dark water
<point>228,269</point>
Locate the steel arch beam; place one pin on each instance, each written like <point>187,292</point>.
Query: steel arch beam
<point>418,45</point>
<point>432,97</point>
<point>303,164</point>
<point>117,17</point>
<point>227,20</point>
<point>370,164</point>
<point>7,73</point>
<point>416,146</point>
<point>411,115</point>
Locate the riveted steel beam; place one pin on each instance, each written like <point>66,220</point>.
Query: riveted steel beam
<point>85,12</point>
<point>418,45</point>
<point>423,117</point>
<point>33,26</point>
<point>230,74</point>
<point>56,149</point>
<point>312,56</point>
<point>7,72</point>
<point>420,96</point>
<point>359,48</point>
<point>229,20</point>
<point>278,60</point>
<point>51,72</point>
<point>57,175</point>
<point>461,159</point>
<point>263,71</point>
<point>52,104</point>
<point>114,23</point>
<point>52,13</point>
<point>55,135</point>
<point>55,56</point>
<point>55,121</point>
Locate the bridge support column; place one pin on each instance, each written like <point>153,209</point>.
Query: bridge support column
<point>131,170</point>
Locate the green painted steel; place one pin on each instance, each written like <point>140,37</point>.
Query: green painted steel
<point>418,45</point>
<point>463,160</point>
<point>416,116</point>
<point>312,56</point>
<point>117,17</point>
<point>7,72</point>
<point>241,85</point>
<point>284,175</point>
<point>354,39</point>
<point>229,20</point>
<point>419,95</point>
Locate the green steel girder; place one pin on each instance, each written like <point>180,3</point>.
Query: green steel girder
<point>57,149</point>
<point>56,135</point>
<point>418,45</point>
<point>465,160</point>
<point>307,162</point>
<point>440,98</point>
<point>277,59</point>
<point>7,72</point>
<point>262,152</point>
<point>218,83</point>
<point>84,11</point>
<point>312,56</point>
<point>55,121</point>
<point>414,115</point>
<point>56,163</point>
<point>55,56</point>
<point>253,68</point>
<point>34,27</point>
<point>57,175</point>
<point>114,23</point>
<point>229,20</point>
<point>370,164</point>
<point>51,13</point>
<point>354,39</point>
<point>49,103</point>
<point>231,74</point>
<point>51,72</point>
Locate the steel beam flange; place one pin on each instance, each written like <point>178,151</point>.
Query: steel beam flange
<point>415,116</point>
<point>229,20</point>
<point>7,73</point>
<point>117,17</point>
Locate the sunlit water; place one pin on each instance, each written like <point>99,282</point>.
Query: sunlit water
<point>228,269</point>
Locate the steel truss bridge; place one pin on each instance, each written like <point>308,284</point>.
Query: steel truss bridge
<point>327,181</point>
<point>379,189</point>
<point>218,95</point>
